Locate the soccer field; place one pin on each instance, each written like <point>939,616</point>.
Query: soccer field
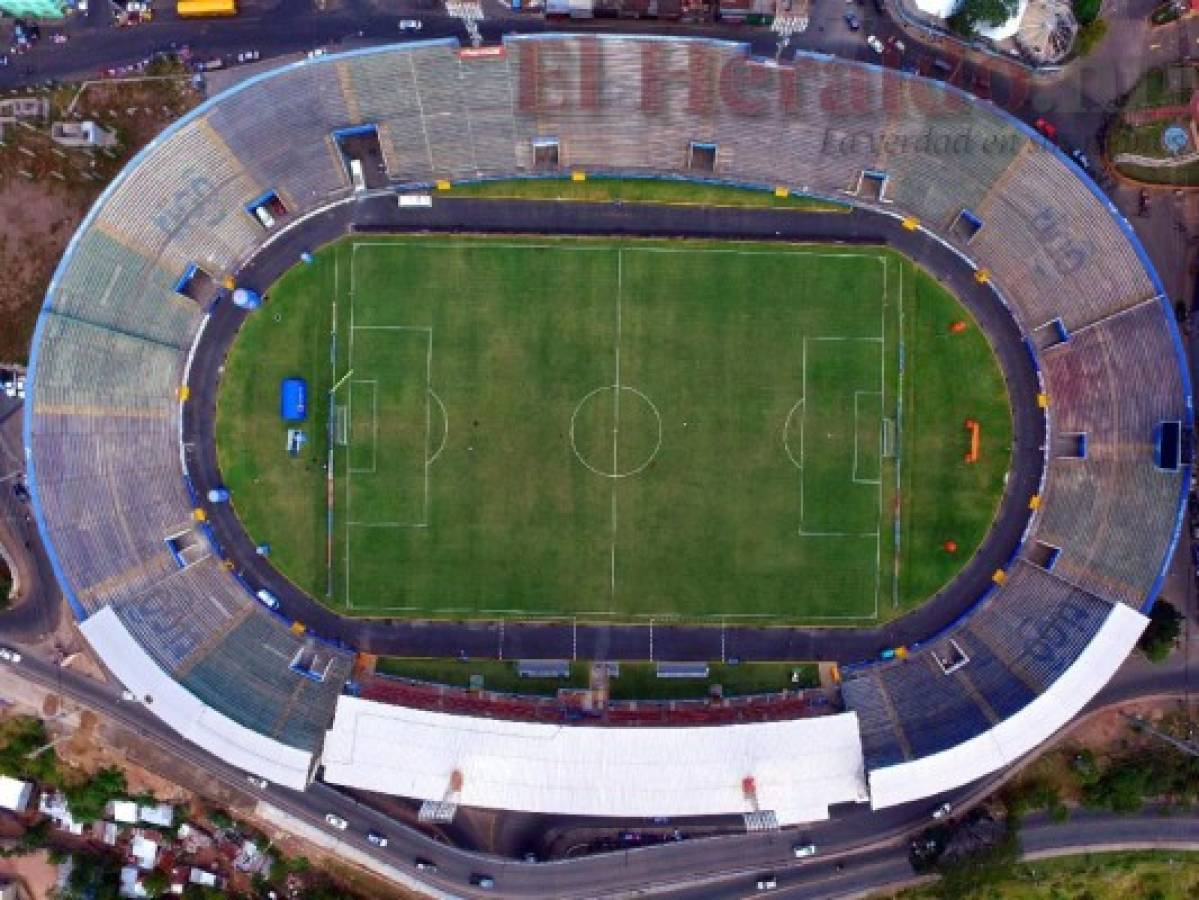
<point>605,430</point>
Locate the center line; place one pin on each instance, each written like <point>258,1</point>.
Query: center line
<point>616,421</point>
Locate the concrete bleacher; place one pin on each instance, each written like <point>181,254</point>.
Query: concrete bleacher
<point>247,675</point>
<point>112,285</point>
<point>283,137</point>
<point>1053,246</point>
<point>185,207</point>
<point>1108,382</point>
<point>114,336</point>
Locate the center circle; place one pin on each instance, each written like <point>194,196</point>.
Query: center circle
<point>616,431</point>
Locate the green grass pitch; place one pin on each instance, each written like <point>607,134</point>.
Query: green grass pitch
<point>623,430</point>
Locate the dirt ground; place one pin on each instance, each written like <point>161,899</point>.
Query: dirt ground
<point>46,190</point>
<point>35,871</point>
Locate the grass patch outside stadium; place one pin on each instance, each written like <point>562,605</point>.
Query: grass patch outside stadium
<point>616,430</point>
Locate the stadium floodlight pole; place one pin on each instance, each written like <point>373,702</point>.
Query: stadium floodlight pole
<point>333,390</point>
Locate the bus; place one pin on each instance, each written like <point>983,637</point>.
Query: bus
<point>194,9</point>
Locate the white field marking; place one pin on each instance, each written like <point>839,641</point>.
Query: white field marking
<point>112,283</point>
<point>882,381</point>
<point>790,251</point>
<point>445,432</point>
<point>393,328</point>
<point>872,340</point>
<point>428,422</point>
<point>616,420</point>
<point>390,524</point>
<point>601,472</point>
<point>349,420</point>
<point>856,478</point>
<point>803,412</point>
<point>899,350</point>
<point>787,435</point>
<point>362,470</point>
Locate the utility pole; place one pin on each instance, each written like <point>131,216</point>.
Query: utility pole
<point>1140,724</point>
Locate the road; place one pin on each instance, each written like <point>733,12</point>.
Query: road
<point>869,846</point>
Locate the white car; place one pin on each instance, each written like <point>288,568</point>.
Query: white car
<point>317,53</point>
<point>875,44</point>
<point>267,599</point>
<point>767,883</point>
<point>128,696</point>
<point>20,387</point>
<point>942,811</point>
<point>249,56</point>
<point>802,851</point>
<point>410,24</point>
<point>9,655</point>
<point>379,840</point>
<point>336,821</point>
<point>261,783</point>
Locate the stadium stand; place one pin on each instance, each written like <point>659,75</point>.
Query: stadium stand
<point>114,337</point>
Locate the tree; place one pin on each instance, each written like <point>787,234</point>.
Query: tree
<point>94,876</point>
<point>973,13</point>
<point>1086,11</point>
<point>88,798</point>
<point>1089,36</point>
<point>1165,624</point>
<point>156,883</point>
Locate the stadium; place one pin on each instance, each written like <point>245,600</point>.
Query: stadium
<point>133,339</point>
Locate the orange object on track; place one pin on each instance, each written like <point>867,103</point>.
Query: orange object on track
<point>975,433</point>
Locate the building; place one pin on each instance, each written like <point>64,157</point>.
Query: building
<point>15,794</point>
<point>34,9</point>
<point>81,134</point>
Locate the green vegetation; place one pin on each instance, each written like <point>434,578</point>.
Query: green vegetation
<point>974,13</point>
<point>1168,88</point>
<point>1090,36</point>
<point>24,754</point>
<point>640,190</point>
<point>1087,11</point>
<point>94,876</point>
<point>1160,637</point>
<point>1143,875</point>
<point>476,396</point>
<point>639,681</point>
<point>498,675</point>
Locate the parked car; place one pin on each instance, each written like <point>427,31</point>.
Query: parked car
<point>803,851</point>
<point>8,654</point>
<point>853,21</point>
<point>20,491</point>
<point>767,883</point>
<point>1080,159</point>
<point>336,821</point>
<point>411,24</point>
<point>424,865</point>
<point>1143,203</point>
<point>261,783</point>
<point>129,696</point>
<point>942,811</point>
<point>267,599</point>
<point>1046,128</point>
<point>249,56</point>
<point>875,44</point>
<point>379,840</point>
<point>480,880</point>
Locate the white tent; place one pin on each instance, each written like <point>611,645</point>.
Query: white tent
<point>796,768</point>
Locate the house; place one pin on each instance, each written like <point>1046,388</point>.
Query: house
<point>131,884</point>
<point>55,807</point>
<point>208,879</point>
<point>123,811</point>
<point>144,852</point>
<point>15,794</point>
<point>160,815</point>
<point>81,134</point>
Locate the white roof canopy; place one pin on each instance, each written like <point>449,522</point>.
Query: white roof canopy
<point>798,767</point>
<point>183,711</point>
<point>1020,733</point>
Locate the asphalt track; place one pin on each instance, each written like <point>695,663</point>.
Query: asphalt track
<point>662,640</point>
